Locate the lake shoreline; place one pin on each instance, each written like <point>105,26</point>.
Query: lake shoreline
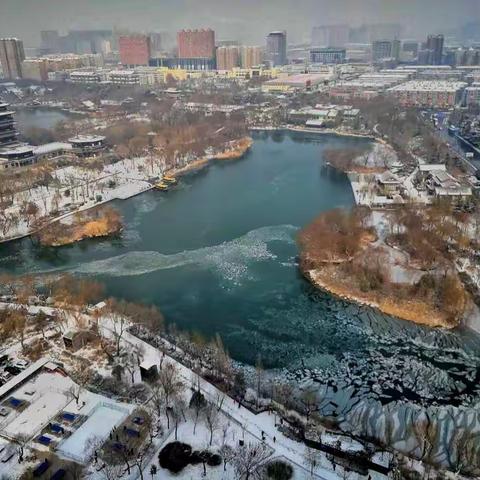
<point>234,153</point>
<point>393,308</point>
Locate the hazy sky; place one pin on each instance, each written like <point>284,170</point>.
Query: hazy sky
<point>247,20</point>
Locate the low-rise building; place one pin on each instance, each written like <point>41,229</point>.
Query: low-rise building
<point>437,182</point>
<point>17,156</point>
<point>210,108</point>
<point>316,117</point>
<point>351,118</point>
<point>425,93</point>
<point>124,77</point>
<point>88,76</point>
<point>296,83</point>
<point>87,145</point>
<point>52,150</point>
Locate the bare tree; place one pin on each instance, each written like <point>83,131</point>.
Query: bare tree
<point>21,441</point>
<point>248,458</point>
<point>171,385</point>
<point>132,359</point>
<point>178,412</point>
<point>312,459</point>
<point>197,405</point>
<point>82,378</point>
<point>211,417</point>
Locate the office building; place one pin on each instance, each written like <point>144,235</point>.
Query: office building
<point>196,43</point>
<point>385,49</point>
<point>330,36</point>
<point>434,48</point>
<point>276,52</point>
<point>328,55</point>
<point>11,57</point>
<point>134,50</point>
<point>252,56</point>
<point>228,58</point>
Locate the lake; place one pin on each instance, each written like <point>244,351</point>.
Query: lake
<point>39,118</point>
<point>217,254</point>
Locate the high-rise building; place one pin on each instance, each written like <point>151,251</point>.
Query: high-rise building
<point>330,36</point>
<point>252,56</point>
<point>328,55</point>
<point>410,46</point>
<point>134,50</point>
<point>49,42</point>
<point>434,46</point>
<point>381,31</point>
<point>8,134</point>
<point>196,43</point>
<point>156,43</point>
<point>76,41</point>
<point>276,52</point>
<point>385,49</point>
<point>11,57</point>
<point>228,58</point>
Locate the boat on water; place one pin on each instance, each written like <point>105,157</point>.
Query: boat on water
<point>169,180</point>
<point>162,186</point>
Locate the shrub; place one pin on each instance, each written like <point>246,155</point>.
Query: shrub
<point>175,456</point>
<point>279,470</point>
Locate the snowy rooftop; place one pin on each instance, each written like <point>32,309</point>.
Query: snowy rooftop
<point>86,138</point>
<point>22,376</point>
<point>51,147</point>
<point>428,167</point>
<point>429,86</point>
<point>18,150</point>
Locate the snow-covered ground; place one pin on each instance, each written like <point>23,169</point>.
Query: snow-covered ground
<point>76,189</point>
<point>51,397</point>
<point>256,425</point>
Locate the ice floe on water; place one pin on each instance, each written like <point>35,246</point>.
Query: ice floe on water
<point>231,260</point>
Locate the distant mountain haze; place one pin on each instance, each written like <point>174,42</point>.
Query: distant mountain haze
<point>245,20</point>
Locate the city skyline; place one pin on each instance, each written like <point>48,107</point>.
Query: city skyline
<point>248,22</point>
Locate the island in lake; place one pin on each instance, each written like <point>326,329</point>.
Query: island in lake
<point>400,262</point>
<point>97,222</point>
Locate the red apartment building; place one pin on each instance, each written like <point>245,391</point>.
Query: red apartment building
<point>196,43</point>
<point>134,50</point>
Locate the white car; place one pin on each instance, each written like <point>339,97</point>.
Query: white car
<point>20,363</point>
